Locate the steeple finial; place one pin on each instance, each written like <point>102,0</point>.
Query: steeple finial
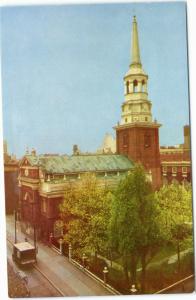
<point>135,55</point>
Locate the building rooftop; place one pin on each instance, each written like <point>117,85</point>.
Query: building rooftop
<point>81,163</point>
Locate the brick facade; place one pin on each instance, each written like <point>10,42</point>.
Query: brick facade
<point>141,144</point>
<point>176,161</point>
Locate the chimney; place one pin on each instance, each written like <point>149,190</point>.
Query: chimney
<point>76,150</point>
<point>187,137</point>
<point>5,151</point>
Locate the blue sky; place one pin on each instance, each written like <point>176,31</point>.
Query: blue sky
<point>63,68</point>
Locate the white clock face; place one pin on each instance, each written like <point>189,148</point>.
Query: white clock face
<point>26,172</point>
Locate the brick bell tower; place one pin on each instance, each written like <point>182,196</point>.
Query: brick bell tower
<point>137,135</point>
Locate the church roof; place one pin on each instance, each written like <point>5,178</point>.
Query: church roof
<point>61,164</point>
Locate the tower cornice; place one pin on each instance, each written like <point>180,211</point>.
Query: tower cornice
<point>130,74</point>
<point>138,125</point>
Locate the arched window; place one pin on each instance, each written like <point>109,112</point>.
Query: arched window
<point>135,85</point>
<point>143,85</point>
<point>44,206</point>
<point>127,87</point>
<point>27,197</point>
<point>147,140</point>
<point>125,120</point>
<point>125,140</point>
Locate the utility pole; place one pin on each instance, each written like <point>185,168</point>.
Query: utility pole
<point>33,223</point>
<point>34,236</point>
<point>15,219</point>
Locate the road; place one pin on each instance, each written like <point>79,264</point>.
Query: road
<point>37,284</point>
<point>66,277</point>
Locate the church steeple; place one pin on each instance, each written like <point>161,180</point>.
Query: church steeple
<point>136,107</point>
<point>137,134</point>
<point>135,57</point>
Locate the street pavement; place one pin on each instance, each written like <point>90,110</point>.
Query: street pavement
<point>37,284</point>
<point>66,277</point>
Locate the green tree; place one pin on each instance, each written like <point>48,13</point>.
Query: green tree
<point>86,211</point>
<point>175,214</point>
<point>133,228</point>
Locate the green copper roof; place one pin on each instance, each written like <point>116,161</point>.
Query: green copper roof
<point>81,163</point>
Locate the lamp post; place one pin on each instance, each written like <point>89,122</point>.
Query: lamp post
<point>70,249</point>
<point>61,246</point>
<point>50,238</point>
<point>15,217</point>
<point>105,272</point>
<point>133,289</point>
<point>83,259</point>
<point>33,222</point>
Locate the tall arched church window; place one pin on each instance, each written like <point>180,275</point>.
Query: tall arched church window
<point>147,140</point>
<point>127,87</point>
<point>125,140</point>
<point>44,206</point>
<point>135,86</point>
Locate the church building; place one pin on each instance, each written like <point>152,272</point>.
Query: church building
<point>43,179</point>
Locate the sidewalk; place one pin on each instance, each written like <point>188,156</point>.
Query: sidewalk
<point>70,280</point>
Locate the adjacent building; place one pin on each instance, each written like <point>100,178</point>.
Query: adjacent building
<point>11,168</point>
<point>176,161</point>
<point>108,146</point>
